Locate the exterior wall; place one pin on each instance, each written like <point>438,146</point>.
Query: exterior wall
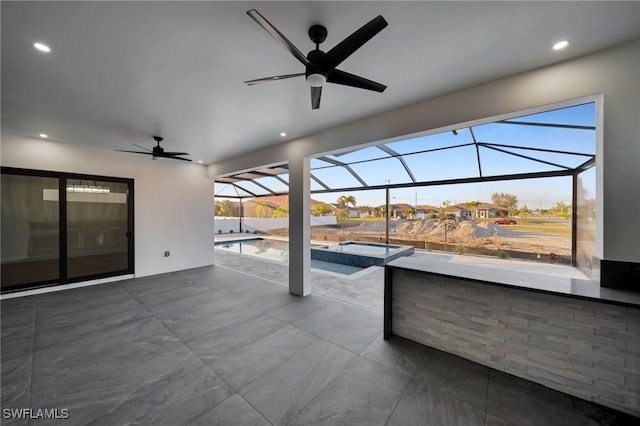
<point>173,199</point>
<point>587,349</point>
<point>609,76</point>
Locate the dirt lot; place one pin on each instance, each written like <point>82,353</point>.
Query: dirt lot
<point>479,238</point>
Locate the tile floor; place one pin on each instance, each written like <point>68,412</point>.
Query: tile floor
<point>217,346</point>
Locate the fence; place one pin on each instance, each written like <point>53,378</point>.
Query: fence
<point>224,225</point>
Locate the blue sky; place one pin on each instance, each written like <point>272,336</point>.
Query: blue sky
<point>462,162</point>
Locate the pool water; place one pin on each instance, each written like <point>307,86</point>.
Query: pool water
<point>279,251</point>
<point>258,247</point>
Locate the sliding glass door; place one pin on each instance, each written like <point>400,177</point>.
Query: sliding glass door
<point>61,228</point>
<point>97,227</point>
<point>30,230</point>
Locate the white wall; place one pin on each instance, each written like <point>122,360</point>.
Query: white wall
<point>611,75</point>
<point>226,224</point>
<point>173,199</point>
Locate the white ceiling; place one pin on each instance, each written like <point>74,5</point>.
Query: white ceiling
<point>120,72</point>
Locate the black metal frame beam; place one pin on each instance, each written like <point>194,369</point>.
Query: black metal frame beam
<point>321,183</point>
<point>369,160</point>
<point>347,167</point>
<point>475,142</point>
<point>519,176</point>
<point>395,154</point>
<point>236,186</point>
<point>559,126</point>
<point>525,157</point>
<point>529,148</point>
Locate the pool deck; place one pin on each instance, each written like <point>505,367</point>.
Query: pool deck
<point>366,288</point>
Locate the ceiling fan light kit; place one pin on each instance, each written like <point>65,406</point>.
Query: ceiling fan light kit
<point>321,67</point>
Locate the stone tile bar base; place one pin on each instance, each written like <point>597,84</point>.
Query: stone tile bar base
<point>587,349</point>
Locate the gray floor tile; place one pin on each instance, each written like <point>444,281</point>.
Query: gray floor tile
<point>397,353</point>
<point>424,405</point>
<point>279,394</point>
<point>264,296</point>
<point>596,415</point>
<point>174,348</point>
<point>17,321</point>
<point>232,340</point>
<point>458,377</point>
<point>233,411</point>
<point>525,403</point>
<point>298,307</point>
<point>16,382</point>
<point>347,326</point>
<point>77,300</point>
<point>239,368</point>
<point>94,375</point>
<point>180,299</point>
<point>364,393</point>
<point>173,400</point>
<point>103,320</point>
<point>224,312</point>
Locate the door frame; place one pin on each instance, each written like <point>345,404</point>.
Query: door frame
<point>62,226</point>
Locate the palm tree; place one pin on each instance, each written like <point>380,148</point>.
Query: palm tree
<point>342,215</point>
<point>321,209</point>
<point>224,208</point>
<point>473,205</point>
<point>345,200</point>
<point>261,208</point>
<point>281,211</point>
<point>443,216</point>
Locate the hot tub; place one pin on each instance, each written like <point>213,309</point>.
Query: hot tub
<point>360,254</point>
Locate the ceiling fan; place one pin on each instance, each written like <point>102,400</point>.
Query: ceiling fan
<point>158,151</point>
<point>321,66</point>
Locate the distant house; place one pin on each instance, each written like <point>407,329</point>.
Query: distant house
<point>351,211</point>
<point>426,211</point>
<point>481,211</point>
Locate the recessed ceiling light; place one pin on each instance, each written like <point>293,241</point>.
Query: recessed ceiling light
<point>199,161</point>
<point>283,134</point>
<point>42,47</point>
<point>44,135</point>
<point>561,45</point>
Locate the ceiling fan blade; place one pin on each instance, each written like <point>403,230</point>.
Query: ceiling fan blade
<point>347,79</point>
<point>135,152</point>
<point>316,92</point>
<point>346,47</point>
<point>178,158</point>
<point>268,27</point>
<point>274,78</point>
<point>141,147</point>
<point>172,154</point>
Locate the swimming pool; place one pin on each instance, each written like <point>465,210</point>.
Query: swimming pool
<point>354,254</point>
<point>360,254</point>
<point>279,251</point>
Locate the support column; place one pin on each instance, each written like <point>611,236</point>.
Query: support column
<point>386,219</point>
<point>299,226</point>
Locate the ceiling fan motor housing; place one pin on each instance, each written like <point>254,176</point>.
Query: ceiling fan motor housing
<point>314,73</point>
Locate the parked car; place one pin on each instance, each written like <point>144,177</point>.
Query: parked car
<point>505,222</point>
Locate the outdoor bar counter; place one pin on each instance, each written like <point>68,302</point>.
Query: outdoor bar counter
<point>565,333</point>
